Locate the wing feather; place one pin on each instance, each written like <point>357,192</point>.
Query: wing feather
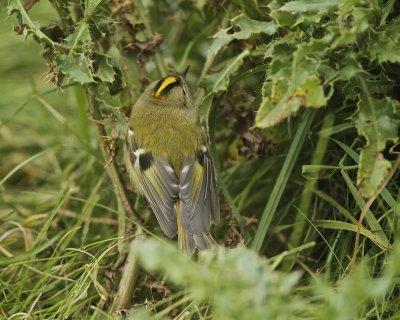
<point>155,178</point>
<point>199,199</point>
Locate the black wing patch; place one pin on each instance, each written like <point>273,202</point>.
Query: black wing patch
<point>145,161</point>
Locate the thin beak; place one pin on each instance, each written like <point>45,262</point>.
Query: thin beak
<point>185,72</point>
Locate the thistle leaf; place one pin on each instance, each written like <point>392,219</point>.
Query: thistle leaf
<point>376,122</point>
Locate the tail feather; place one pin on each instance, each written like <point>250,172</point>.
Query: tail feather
<point>204,241</point>
<point>188,240</point>
<point>185,240</point>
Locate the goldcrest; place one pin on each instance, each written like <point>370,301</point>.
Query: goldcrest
<point>168,161</point>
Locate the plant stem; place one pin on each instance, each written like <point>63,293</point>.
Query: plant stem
<point>64,14</point>
<point>111,168</point>
<point>129,276</point>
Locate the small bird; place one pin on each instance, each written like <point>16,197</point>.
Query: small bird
<point>168,161</point>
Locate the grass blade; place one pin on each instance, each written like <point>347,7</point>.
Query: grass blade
<point>281,182</point>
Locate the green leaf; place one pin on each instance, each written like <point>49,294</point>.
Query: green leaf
<point>270,114</point>
<point>100,18</point>
<point>249,7</point>
<point>384,45</point>
<point>293,81</point>
<point>283,18</point>
<point>310,5</point>
<point>313,92</point>
<point>80,39</point>
<point>351,68</point>
<point>77,67</point>
<point>91,6</point>
<point>241,28</point>
<point>219,81</point>
<point>376,121</point>
<point>105,70</point>
<point>355,19</point>
<point>15,6</point>
<point>106,101</point>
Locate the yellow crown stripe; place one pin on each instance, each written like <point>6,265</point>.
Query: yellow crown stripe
<point>165,83</point>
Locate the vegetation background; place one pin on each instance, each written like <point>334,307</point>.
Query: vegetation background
<point>301,102</point>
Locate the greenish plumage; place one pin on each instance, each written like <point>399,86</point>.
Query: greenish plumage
<point>167,158</point>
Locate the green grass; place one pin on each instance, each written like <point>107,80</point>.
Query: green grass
<point>291,193</point>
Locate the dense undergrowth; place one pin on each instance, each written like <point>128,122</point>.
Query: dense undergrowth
<point>301,102</point>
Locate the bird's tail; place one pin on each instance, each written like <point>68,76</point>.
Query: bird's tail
<point>204,241</point>
<point>187,240</point>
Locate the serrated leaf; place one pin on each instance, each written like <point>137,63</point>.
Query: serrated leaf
<point>105,99</point>
<point>100,19</point>
<point>355,18</point>
<point>219,81</point>
<point>283,18</point>
<point>271,114</point>
<point>291,85</point>
<point>377,84</point>
<point>294,13</point>
<point>80,39</point>
<point>314,95</point>
<point>376,121</point>
<point>77,67</point>
<point>384,45</point>
<point>351,68</point>
<point>241,28</point>
<point>105,70</point>
<point>250,8</point>
<point>15,7</point>
<point>91,6</point>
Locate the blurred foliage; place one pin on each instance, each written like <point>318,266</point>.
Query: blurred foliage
<point>240,285</point>
<point>300,99</point>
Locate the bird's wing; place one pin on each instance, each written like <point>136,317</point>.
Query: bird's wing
<point>156,179</point>
<point>198,194</point>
